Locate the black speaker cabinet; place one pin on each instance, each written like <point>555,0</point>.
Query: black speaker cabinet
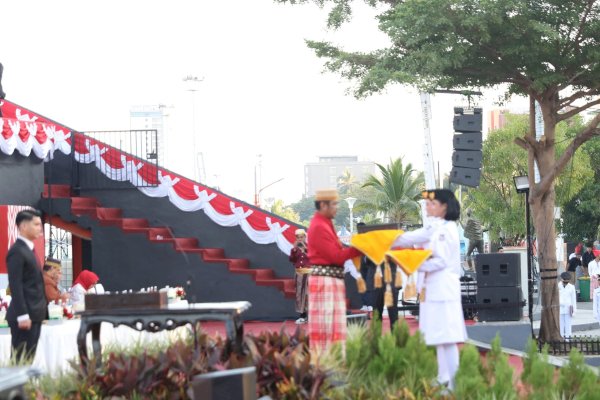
<point>498,269</point>
<point>500,297</point>
<point>465,176</point>
<point>235,384</point>
<point>466,158</point>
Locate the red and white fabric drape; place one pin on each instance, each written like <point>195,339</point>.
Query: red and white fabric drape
<point>26,132</point>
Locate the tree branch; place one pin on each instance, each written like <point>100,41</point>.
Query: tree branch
<point>590,131</point>
<point>579,94</point>
<point>575,111</point>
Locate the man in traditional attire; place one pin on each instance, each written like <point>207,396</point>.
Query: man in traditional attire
<point>299,258</point>
<point>52,275</point>
<point>326,289</point>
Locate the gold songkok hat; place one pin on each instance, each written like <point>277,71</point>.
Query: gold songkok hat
<point>327,195</point>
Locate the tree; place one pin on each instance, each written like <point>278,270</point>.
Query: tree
<point>495,202</point>
<point>581,215</point>
<point>287,212</point>
<point>347,182</point>
<point>545,49</point>
<point>397,192</point>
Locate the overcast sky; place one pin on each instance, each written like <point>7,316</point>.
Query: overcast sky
<point>85,63</point>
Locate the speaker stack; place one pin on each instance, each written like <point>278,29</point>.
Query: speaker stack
<point>499,284</point>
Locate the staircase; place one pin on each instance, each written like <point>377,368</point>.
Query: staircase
<point>162,234</point>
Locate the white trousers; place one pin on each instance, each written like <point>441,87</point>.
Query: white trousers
<point>447,357</point>
<point>565,325</point>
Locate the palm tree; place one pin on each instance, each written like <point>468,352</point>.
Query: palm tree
<point>346,182</point>
<point>397,192</point>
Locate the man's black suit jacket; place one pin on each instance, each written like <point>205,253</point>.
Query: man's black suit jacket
<point>26,284</point>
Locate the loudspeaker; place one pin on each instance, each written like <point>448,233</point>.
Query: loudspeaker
<point>465,176</point>
<point>468,141</point>
<point>498,269</point>
<point>500,296</point>
<point>235,384</point>
<point>467,159</point>
<point>467,122</point>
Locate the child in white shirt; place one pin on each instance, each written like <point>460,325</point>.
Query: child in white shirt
<point>568,303</point>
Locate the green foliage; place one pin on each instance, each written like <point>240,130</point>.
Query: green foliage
<point>581,215</point>
<point>395,365</point>
<point>496,202</point>
<point>469,381</point>
<point>397,192</point>
<point>287,212</point>
<point>577,380</point>
<point>499,373</point>
<point>538,374</point>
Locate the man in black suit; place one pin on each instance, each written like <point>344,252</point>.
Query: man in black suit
<point>27,309</point>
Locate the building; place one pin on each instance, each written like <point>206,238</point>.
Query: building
<point>497,119</point>
<point>151,117</point>
<point>326,172</point>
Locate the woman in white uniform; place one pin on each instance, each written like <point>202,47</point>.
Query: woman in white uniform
<point>440,311</point>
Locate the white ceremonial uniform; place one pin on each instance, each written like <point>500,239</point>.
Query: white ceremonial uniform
<point>567,299</point>
<point>441,317</point>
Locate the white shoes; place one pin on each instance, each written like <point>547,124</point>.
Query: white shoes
<point>366,308</point>
<point>301,321</point>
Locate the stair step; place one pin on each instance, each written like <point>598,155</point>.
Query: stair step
<point>160,234</point>
<point>108,213</point>
<point>58,191</point>
<point>129,223</point>
<point>261,274</point>
<point>214,255</point>
<point>110,222</point>
<point>278,283</point>
<point>238,263</point>
<point>77,202</point>
<point>84,211</point>
<point>185,243</point>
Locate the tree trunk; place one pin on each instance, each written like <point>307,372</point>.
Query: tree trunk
<point>543,219</point>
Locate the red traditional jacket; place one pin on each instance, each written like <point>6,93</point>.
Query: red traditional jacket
<point>324,247</point>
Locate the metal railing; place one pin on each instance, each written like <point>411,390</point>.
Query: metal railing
<point>587,345</point>
<point>137,145</point>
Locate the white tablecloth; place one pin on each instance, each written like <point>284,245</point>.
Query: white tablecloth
<point>58,342</point>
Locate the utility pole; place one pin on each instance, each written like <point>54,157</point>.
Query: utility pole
<point>198,157</point>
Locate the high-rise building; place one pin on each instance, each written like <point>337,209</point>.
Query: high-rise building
<point>146,118</point>
<point>326,172</point>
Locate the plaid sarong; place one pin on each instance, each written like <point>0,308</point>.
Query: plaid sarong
<point>326,311</point>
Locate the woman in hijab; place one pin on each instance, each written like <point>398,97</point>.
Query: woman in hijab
<point>84,282</point>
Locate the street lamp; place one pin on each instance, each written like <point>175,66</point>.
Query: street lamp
<point>257,192</point>
<point>351,201</point>
<point>522,186</point>
<point>193,82</point>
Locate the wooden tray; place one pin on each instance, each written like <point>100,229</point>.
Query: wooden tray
<point>147,300</point>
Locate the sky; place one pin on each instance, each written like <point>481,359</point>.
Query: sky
<point>263,92</point>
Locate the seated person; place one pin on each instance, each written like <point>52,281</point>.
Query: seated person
<point>52,275</point>
<point>85,282</point>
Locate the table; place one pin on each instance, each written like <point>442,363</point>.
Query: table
<point>57,346</point>
<point>159,319</point>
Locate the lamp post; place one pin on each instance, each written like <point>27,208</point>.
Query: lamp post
<point>257,193</point>
<point>522,186</point>
<point>193,82</point>
<point>351,201</point>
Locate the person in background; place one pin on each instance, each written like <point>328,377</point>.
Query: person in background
<point>473,232</point>
<point>568,303</point>
<point>594,272</point>
<point>587,257</point>
<point>367,274</point>
<point>82,285</point>
<point>299,258</point>
<point>52,275</point>
<point>574,268</point>
<point>27,308</point>
<point>440,310</point>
